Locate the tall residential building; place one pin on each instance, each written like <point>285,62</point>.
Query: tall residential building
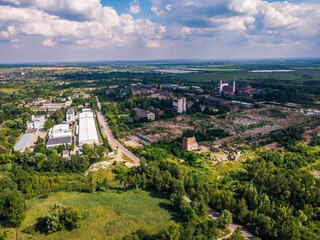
<point>179,105</point>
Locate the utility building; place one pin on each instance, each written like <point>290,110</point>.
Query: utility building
<point>70,116</point>
<point>87,128</point>
<point>179,105</point>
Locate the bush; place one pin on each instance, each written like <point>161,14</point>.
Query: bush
<point>58,218</point>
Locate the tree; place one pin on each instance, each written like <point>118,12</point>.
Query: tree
<point>12,206</point>
<point>225,218</point>
<point>49,123</point>
<point>242,210</point>
<point>172,231</point>
<point>60,217</point>
<point>144,180</point>
<point>237,235</point>
<point>302,217</point>
<point>72,217</point>
<point>202,209</point>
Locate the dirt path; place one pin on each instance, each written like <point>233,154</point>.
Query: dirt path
<point>232,227</point>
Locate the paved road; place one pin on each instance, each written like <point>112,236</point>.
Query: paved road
<point>112,141</point>
<point>232,227</point>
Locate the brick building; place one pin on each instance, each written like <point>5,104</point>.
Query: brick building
<point>143,113</point>
<point>189,144</point>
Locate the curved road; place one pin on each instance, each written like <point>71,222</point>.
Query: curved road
<point>106,131</point>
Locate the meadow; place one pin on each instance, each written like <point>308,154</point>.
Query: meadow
<point>108,215</point>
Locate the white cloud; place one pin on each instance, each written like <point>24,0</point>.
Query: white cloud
<point>48,43</point>
<point>84,22</point>
<point>135,7</point>
<point>278,21</point>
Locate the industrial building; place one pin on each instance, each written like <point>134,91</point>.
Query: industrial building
<point>189,144</point>
<point>36,122</point>
<point>70,115</point>
<point>156,111</point>
<point>23,142</point>
<point>179,105</point>
<point>52,107</point>
<point>59,135</point>
<point>87,128</point>
<point>236,89</point>
<point>144,113</point>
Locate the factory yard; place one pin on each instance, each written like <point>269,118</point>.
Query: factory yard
<point>240,126</point>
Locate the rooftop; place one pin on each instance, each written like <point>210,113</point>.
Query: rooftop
<point>70,111</point>
<point>58,141</point>
<point>21,145</point>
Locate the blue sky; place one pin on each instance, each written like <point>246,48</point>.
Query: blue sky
<point>88,30</point>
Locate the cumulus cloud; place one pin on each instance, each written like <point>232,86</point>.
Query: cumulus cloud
<point>83,22</point>
<point>48,43</point>
<point>135,7</point>
<point>247,19</point>
<point>200,26</point>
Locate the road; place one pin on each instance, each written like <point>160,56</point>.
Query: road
<point>106,131</point>
<point>232,227</point>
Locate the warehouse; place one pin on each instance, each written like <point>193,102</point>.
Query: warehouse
<point>59,135</point>
<point>87,128</point>
<point>23,142</point>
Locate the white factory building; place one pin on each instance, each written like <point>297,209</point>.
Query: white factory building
<point>87,129</point>
<point>70,115</point>
<point>36,122</point>
<point>59,135</point>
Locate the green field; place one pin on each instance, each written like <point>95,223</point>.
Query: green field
<point>110,215</point>
<point>297,78</point>
<point>7,91</point>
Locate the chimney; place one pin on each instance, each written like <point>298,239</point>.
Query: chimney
<point>221,88</point>
<point>234,84</point>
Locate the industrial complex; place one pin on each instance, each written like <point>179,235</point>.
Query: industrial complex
<point>62,134</point>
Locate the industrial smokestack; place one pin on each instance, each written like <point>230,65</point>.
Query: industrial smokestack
<point>221,88</point>
<point>234,84</point>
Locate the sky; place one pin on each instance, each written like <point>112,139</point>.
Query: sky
<point>97,30</point>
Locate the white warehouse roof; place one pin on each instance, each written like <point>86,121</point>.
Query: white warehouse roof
<point>23,142</point>
<point>60,130</point>
<point>87,128</point>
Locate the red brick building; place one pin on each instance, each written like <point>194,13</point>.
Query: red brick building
<point>189,144</point>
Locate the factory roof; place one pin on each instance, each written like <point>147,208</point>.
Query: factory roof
<point>60,128</point>
<point>21,145</point>
<point>70,111</point>
<point>87,128</point>
<point>58,141</point>
<point>142,111</point>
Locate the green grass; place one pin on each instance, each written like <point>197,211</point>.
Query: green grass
<point>128,159</point>
<point>111,215</point>
<point>7,91</point>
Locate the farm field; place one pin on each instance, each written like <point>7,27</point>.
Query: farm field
<point>109,215</point>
